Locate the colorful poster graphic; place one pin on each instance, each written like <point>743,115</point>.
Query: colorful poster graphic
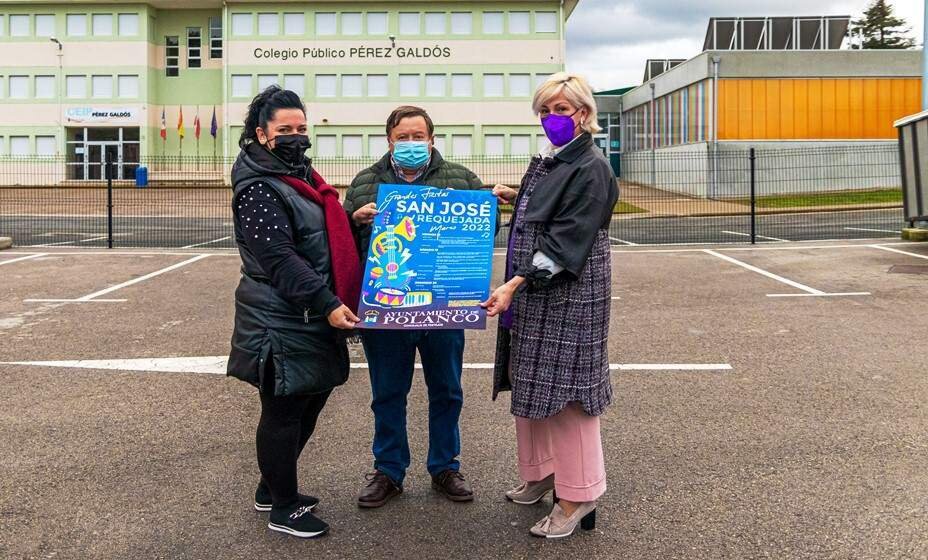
<point>430,259</point>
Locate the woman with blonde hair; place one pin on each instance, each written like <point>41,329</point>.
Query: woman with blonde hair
<point>552,345</point>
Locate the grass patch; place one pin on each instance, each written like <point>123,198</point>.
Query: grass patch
<point>882,196</point>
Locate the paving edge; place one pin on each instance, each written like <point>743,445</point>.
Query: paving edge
<point>915,234</point>
<point>5,243</point>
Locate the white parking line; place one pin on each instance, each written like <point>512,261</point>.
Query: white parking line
<point>26,258</point>
<point>810,292</point>
<point>622,241</point>
<point>885,248</point>
<point>70,242</point>
<point>877,230</point>
<point>757,236</point>
<point>207,242</point>
<point>93,296</point>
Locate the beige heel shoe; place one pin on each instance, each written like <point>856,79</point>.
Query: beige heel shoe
<point>529,493</point>
<point>557,525</point>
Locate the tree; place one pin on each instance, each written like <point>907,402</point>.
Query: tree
<point>880,29</point>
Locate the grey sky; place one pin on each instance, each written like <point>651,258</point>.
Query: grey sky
<point>609,40</point>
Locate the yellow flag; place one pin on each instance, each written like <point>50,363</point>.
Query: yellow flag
<point>180,124</point>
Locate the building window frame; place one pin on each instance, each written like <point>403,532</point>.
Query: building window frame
<point>194,47</point>
<point>215,37</point>
<point>171,56</point>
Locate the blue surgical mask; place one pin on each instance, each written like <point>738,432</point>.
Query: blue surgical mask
<point>411,155</point>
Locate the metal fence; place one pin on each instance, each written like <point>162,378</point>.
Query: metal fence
<point>694,196</point>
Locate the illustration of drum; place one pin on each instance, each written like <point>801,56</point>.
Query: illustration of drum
<point>391,297</point>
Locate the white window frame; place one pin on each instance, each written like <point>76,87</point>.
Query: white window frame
<point>297,80</point>
<point>294,23</point>
<point>459,80</point>
<point>378,85</point>
<point>378,18</point>
<point>491,30</point>
<point>352,145</point>
<point>243,24</point>
<point>352,23</point>
<point>407,80</point>
<point>44,87</point>
<point>23,143</point>
<point>100,80</point>
<point>267,80</point>
<point>437,19</point>
<point>168,57</point>
<point>22,83</point>
<point>50,148</point>
<point>455,145</point>
<point>326,18</point>
<point>352,85</point>
<point>436,85</point>
<point>458,25</point>
<point>238,81</point>
<point>524,80</point>
<point>377,145</point>
<point>103,21</point>
<point>74,82</point>
<point>127,29</point>
<point>215,37</point>
<point>494,144</point>
<point>541,23</point>
<point>128,82</point>
<point>48,19</point>
<point>494,79</point>
<point>23,19</point>
<point>326,145</point>
<point>74,29</point>
<point>513,139</point>
<point>517,18</point>
<point>194,54</point>
<point>406,19</point>
<point>331,82</point>
<point>268,24</point>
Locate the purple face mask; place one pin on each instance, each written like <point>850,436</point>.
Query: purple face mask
<point>559,128</point>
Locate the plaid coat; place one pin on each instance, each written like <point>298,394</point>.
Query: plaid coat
<point>557,349</point>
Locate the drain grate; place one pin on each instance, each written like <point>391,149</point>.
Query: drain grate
<point>909,269</point>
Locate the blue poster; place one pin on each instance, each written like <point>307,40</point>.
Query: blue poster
<point>430,259</point>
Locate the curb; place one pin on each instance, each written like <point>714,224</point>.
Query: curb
<point>5,243</point>
<point>915,234</point>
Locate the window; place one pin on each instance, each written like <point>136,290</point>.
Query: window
<point>520,144</point>
<point>129,25</point>
<point>540,79</point>
<point>520,85</point>
<point>76,87</point>
<point>378,85</point>
<point>352,146</point>
<point>241,85</point>
<point>45,146</point>
<point>409,85</point>
<point>492,23</point>
<point>543,142</point>
<point>325,24</point>
<point>495,144</point>
<point>351,23</point>
<point>44,87</point>
<point>435,85</point>
<point>265,81</point>
<point>19,145</point>
<point>242,24</point>
<point>295,24</point>
<point>19,26</point>
<point>102,24</point>
<point>128,87</point>
<point>440,143</point>
<point>461,144</point>
<point>409,24</point>
<point>377,145</point>
<point>77,25</point>
<point>171,56</point>
<point>376,23</point>
<point>295,83</point>
<point>326,146</point>
<point>352,85</point>
<point>462,85</point>
<point>215,37</point>
<point>493,85</point>
<point>19,87</point>
<point>326,85</point>
<point>44,25</point>
<point>435,23</point>
<point>519,23</point>
<point>194,47</point>
<point>102,87</point>
<point>462,23</point>
<point>2,145</point>
<point>268,24</point>
<point>1,29</point>
<point>546,22</point>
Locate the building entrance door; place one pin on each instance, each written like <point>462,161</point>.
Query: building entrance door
<point>87,148</point>
<point>99,153</point>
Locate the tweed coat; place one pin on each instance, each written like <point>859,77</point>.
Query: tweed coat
<point>557,349</point>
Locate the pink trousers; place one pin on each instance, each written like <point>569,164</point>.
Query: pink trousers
<point>567,445</point>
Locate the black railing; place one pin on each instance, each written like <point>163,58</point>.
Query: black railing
<point>693,195</point>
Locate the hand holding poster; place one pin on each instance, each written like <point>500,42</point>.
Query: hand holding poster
<point>430,259</point>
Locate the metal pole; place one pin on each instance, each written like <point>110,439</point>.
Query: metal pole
<point>925,60</point>
<point>109,200</point>
<point>753,201</point>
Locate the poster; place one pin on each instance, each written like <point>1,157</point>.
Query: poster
<point>430,259</point>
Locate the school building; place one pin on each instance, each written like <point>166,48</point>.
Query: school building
<point>128,81</point>
<point>764,83</point>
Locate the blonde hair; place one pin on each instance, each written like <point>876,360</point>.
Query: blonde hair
<point>576,90</point>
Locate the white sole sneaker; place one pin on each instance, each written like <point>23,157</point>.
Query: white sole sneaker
<point>264,508</point>
<point>288,531</point>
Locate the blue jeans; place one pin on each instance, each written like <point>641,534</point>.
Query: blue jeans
<point>391,357</point>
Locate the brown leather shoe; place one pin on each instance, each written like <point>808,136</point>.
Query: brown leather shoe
<point>379,490</point>
<point>453,485</point>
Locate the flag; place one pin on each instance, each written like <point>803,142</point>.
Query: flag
<point>213,125</point>
<point>164,125</point>
<point>180,123</point>
<point>196,125</point>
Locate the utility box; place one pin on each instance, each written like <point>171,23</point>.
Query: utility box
<point>141,177</point>
<point>913,157</point>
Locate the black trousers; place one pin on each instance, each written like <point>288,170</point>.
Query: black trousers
<point>285,426</point>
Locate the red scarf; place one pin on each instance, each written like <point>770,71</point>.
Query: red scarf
<point>346,270</point>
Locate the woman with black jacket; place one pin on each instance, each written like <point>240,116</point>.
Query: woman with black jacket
<point>296,298</point>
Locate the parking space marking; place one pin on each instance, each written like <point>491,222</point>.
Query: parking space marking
<point>809,292</point>
<point>92,297</point>
<point>26,258</point>
<point>622,241</point>
<point>877,230</point>
<point>885,248</point>
<point>217,365</point>
<point>88,240</point>
<point>757,236</point>
<point>207,242</point>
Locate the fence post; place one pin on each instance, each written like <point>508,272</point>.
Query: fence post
<point>108,173</point>
<point>753,200</point>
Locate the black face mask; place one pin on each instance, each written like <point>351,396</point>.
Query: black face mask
<point>291,148</point>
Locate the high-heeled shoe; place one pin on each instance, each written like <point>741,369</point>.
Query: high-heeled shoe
<point>529,493</point>
<point>557,524</point>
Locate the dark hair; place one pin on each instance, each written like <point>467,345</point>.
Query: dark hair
<point>263,108</point>
<point>405,112</point>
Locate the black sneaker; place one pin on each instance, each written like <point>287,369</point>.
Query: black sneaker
<point>297,521</point>
<point>263,499</point>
